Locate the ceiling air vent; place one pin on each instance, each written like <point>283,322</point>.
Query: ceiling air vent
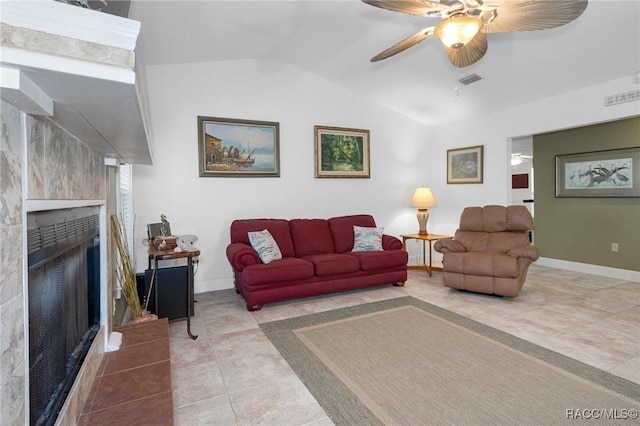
<point>469,79</point>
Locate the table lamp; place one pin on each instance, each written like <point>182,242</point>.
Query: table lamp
<point>422,199</point>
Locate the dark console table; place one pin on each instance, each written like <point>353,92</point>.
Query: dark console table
<point>156,255</point>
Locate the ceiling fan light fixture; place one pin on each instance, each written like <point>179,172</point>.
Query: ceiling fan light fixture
<point>457,31</point>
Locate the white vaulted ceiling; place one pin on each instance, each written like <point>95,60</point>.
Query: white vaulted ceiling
<point>336,39</point>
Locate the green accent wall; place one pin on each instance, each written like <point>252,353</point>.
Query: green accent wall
<point>582,229</point>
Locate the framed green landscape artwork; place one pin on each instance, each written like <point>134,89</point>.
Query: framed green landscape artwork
<point>229,147</point>
<point>465,165</point>
<point>341,152</point>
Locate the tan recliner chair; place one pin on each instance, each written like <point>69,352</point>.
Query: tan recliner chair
<point>490,252</point>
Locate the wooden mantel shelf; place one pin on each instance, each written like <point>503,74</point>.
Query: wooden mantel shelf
<point>76,66</point>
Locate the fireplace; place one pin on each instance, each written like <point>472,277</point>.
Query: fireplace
<point>64,303</point>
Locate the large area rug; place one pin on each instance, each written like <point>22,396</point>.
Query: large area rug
<point>407,362</point>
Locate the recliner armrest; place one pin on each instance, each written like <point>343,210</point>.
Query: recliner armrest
<point>449,246</point>
<point>389,242</point>
<point>241,255</point>
<point>530,252</point>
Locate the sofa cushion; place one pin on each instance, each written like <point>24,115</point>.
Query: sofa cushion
<point>374,260</point>
<point>367,239</point>
<point>472,241</point>
<point>503,242</point>
<point>496,219</point>
<point>264,244</point>
<point>495,242</point>
<point>311,236</point>
<point>279,229</point>
<point>482,263</point>
<point>519,219</point>
<point>342,230</point>
<point>333,264</point>
<point>286,269</point>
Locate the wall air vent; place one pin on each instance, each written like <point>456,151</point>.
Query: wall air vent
<point>469,79</point>
<point>51,233</point>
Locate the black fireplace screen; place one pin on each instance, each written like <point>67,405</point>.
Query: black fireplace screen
<point>64,300</point>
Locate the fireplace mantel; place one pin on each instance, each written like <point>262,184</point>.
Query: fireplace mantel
<point>76,66</point>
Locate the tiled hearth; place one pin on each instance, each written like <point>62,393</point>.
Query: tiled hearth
<point>133,384</point>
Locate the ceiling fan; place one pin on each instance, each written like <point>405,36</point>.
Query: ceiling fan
<point>466,23</point>
<point>518,158</point>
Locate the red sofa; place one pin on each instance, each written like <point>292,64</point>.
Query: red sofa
<point>316,259</point>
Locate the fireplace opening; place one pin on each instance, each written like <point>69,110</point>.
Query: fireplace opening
<point>64,303</point>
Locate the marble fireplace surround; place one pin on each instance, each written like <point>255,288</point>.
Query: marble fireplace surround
<point>58,60</point>
<point>56,171</point>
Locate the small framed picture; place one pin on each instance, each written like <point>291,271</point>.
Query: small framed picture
<point>465,165</point>
<point>230,147</point>
<point>341,152</point>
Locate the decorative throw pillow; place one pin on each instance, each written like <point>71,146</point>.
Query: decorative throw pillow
<point>367,239</point>
<point>265,245</point>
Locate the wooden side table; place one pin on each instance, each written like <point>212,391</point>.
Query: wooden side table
<point>424,238</point>
<point>155,255</point>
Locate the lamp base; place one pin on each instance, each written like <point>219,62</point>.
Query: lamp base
<point>423,217</point>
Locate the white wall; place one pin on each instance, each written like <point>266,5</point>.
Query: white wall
<point>269,90</point>
<point>494,131</point>
<point>404,154</point>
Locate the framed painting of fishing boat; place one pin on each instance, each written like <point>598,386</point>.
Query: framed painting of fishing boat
<point>230,147</point>
<point>611,173</point>
<point>341,152</point>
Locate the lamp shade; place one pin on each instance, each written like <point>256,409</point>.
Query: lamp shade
<point>457,31</point>
<point>422,198</point>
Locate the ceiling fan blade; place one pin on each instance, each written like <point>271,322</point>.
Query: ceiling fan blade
<point>470,53</point>
<point>518,15</point>
<point>412,7</point>
<point>404,44</point>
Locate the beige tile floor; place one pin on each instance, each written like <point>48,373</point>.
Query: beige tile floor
<point>232,375</point>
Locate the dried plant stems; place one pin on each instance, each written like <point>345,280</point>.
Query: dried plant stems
<point>153,280</point>
<point>124,268</point>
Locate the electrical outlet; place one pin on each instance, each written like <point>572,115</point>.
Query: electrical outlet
<point>614,247</point>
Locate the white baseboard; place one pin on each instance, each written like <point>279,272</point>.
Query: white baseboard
<point>604,271</point>
<point>204,286</point>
